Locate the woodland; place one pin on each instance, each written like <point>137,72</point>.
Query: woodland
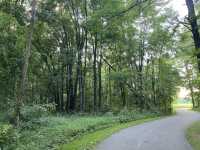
<point>68,67</point>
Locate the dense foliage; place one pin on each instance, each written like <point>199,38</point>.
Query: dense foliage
<point>86,55</point>
<point>51,132</point>
<point>89,57</point>
<point>188,52</point>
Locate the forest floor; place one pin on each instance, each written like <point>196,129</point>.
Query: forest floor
<point>164,134</point>
<point>53,131</point>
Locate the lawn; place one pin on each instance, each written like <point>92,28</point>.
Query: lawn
<point>188,106</point>
<point>182,103</point>
<point>193,135</point>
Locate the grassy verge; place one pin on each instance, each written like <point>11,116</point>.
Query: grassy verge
<point>89,141</point>
<point>193,135</point>
<point>196,109</point>
<point>52,131</point>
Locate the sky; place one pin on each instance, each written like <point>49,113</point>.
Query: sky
<point>183,93</point>
<point>179,6</point>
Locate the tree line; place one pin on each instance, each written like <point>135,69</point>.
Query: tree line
<point>87,56</point>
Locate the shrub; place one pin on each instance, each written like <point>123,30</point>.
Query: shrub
<point>109,114</point>
<point>9,116</point>
<point>125,115</point>
<point>7,136</point>
<point>29,113</point>
<point>51,107</point>
<point>33,116</point>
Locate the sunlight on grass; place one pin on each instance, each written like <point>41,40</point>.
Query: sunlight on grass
<point>188,106</point>
<point>182,102</point>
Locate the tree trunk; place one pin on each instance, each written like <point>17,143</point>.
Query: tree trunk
<point>153,83</point>
<point>195,29</point>
<point>95,74</point>
<point>190,84</point>
<point>123,94</point>
<point>109,87</point>
<point>70,106</point>
<point>100,85</point>
<point>62,89</point>
<point>84,72</point>
<point>27,54</point>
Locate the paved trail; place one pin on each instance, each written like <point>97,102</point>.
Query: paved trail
<point>164,134</point>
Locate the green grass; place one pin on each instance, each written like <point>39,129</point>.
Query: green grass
<point>188,106</point>
<point>89,141</point>
<point>55,131</point>
<point>182,103</point>
<point>50,132</point>
<point>196,109</point>
<point>193,135</point>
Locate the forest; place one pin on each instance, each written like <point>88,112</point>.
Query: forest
<point>68,67</point>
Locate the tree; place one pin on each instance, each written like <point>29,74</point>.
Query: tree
<point>87,56</point>
<point>20,99</point>
<point>192,18</point>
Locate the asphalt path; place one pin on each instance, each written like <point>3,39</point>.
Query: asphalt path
<point>164,134</point>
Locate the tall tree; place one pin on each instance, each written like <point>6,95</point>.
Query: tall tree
<point>27,53</point>
<point>192,18</point>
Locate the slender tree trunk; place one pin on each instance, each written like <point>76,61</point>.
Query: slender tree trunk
<point>141,103</point>
<point>80,72</point>
<point>153,83</point>
<point>73,92</point>
<point>109,87</point>
<point>70,106</point>
<point>100,85</point>
<point>195,29</point>
<point>57,90</point>
<point>190,84</point>
<point>81,90</point>
<point>85,73</point>
<point>85,60</point>
<point>62,89</point>
<point>27,54</point>
<point>123,94</point>
<point>95,74</point>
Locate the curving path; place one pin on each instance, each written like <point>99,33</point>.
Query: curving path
<point>164,134</point>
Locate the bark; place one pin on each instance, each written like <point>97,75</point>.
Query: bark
<point>62,89</point>
<point>140,74</point>
<point>123,95</point>
<point>70,90</point>
<point>153,83</point>
<point>85,61</point>
<point>100,85</point>
<point>57,94</point>
<point>195,29</point>
<point>190,84</point>
<point>95,74</point>
<point>85,72</point>
<point>109,87</point>
<point>27,54</point>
